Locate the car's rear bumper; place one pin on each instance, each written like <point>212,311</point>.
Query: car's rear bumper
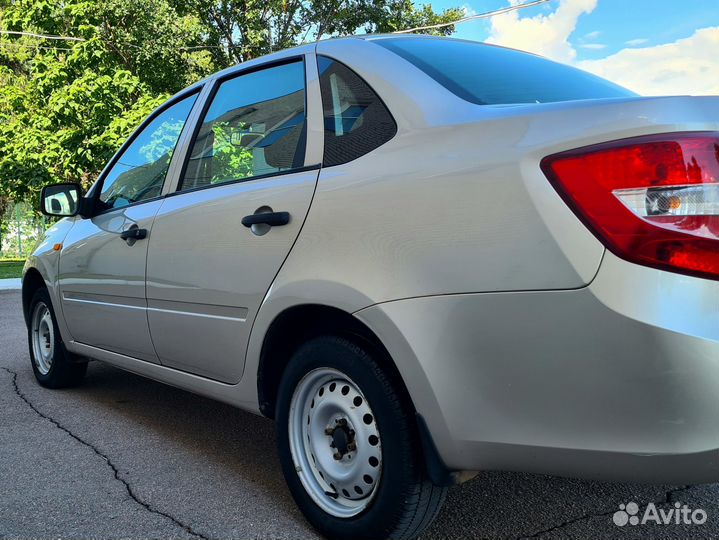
<point>617,380</point>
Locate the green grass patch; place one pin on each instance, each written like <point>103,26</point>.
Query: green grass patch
<point>11,268</point>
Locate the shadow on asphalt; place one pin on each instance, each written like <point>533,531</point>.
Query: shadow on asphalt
<point>494,505</point>
<point>240,442</point>
<point>207,457</point>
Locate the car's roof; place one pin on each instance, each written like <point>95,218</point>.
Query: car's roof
<point>310,47</point>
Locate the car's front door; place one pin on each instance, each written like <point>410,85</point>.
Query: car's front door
<point>103,259</point>
<point>209,266</point>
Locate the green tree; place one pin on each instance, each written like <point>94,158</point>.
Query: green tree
<point>66,105</point>
<point>231,159</point>
<point>239,30</point>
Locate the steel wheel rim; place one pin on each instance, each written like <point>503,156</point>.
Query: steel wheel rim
<point>327,409</point>
<point>43,338</point>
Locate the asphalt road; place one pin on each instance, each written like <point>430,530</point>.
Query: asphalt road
<point>125,457</point>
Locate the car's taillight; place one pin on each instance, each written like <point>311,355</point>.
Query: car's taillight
<point>651,200</point>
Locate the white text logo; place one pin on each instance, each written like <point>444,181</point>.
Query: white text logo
<point>679,514</point>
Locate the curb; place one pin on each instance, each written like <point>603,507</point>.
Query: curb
<point>12,284</point>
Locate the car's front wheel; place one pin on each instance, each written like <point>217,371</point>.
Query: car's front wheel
<point>349,446</point>
<point>53,365</point>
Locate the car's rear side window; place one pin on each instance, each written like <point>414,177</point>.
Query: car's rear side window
<point>254,126</point>
<point>489,75</point>
<point>356,120</point>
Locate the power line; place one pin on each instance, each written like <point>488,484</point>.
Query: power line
<point>70,38</point>
<point>32,46</point>
<point>41,36</point>
<point>468,18</point>
<point>473,17</point>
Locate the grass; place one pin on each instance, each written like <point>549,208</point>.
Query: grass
<point>11,268</point>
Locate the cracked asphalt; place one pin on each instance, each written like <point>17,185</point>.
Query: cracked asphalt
<point>126,457</point>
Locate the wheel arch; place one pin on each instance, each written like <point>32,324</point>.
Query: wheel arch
<point>300,323</point>
<point>297,324</point>
<point>32,281</point>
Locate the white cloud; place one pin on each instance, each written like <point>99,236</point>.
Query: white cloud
<point>636,42</point>
<point>542,34</point>
<point>592,35</point>
<point>469,10</point>
<point>686,66</point>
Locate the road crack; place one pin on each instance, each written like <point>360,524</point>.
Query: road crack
<point>565,524</point>
<point>115,470</point>
<point>668,500</point>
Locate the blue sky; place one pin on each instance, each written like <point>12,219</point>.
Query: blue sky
<point>663,41</point>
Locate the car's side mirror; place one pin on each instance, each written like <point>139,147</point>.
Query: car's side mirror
<point>61,200</point>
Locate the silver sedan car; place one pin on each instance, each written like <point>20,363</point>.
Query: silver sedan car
<point>422,257</point>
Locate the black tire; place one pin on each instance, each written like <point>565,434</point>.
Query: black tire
<point>405,502</point>
<point>66,369</point>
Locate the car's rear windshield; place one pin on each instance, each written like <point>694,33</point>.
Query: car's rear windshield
<point>489,75</point>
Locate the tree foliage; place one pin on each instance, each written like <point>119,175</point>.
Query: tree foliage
<point>245,29</point>
<point>66,105</point>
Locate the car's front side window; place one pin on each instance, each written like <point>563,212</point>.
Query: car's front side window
<point>139,172</point>
<point>254,126</point>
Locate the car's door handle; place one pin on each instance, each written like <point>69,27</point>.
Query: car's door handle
<point>274,219</point>
<point>133,234</point>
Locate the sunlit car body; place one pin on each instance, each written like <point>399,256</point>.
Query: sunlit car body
<point>439,234</point>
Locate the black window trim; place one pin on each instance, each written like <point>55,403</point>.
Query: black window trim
<point>305,168</point>
<point>96,189</point>
<point>216,83</point>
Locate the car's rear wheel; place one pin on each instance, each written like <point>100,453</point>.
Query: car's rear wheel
<point>349,445</point>
<point>53,365</point>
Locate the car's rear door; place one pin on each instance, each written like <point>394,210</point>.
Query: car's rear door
<point>207,273</point>
<point>102,273</point>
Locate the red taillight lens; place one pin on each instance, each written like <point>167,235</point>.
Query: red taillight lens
<point>651,200</point>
